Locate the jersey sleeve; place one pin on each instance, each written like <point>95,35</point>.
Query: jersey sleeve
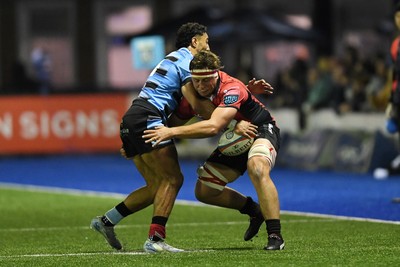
<point>233,96</point>
<point>184,72</point>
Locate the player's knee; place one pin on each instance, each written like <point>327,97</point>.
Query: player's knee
<point>172,181</point>
<point>258,167</point>
<point>175,180</point>
<point>260,160</point>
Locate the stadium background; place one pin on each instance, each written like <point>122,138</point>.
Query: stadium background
<point>61,114</point>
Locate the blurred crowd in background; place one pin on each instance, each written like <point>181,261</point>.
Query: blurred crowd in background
<point>346,84</point>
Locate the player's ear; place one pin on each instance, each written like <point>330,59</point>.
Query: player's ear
<point>193,43</point>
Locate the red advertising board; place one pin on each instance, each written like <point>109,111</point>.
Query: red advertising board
<point>61,123</point>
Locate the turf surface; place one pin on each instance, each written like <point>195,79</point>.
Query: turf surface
<point>52,229</point>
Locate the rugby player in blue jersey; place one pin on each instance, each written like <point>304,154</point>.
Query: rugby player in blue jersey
<point>166,85</point>
<point>159,97</point>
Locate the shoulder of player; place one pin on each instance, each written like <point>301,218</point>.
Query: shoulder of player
<point>231,83</point>
<point>178,56</point>
<point>233,86</point>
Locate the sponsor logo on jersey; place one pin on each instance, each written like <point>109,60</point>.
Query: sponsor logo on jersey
<point>230,99</point>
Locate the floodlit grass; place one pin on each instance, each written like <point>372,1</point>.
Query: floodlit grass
<point>52,229</point>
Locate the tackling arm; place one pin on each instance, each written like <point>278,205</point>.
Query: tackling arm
<point>206,128</point>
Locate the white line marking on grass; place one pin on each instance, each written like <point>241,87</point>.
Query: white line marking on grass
<point>121,253</point>
<point>74,254</point>
<point>337,217</point>
<point>59,190</point>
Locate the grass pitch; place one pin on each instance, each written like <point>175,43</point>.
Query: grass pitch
<point>41,228</point>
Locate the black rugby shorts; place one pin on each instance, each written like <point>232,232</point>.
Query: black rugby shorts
<point>141,116</point>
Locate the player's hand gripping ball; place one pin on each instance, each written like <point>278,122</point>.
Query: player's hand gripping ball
<point>232,144</point>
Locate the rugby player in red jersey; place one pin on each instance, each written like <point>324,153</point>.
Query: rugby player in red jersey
<point>233,101</point>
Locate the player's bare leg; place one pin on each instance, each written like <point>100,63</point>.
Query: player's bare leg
<point>215,192</point>
<point>163,181</point>
<point>259,167</point>
<point>169,181</point>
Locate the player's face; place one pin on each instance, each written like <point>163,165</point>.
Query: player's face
<point>202,42</point>
<point>205,86</point>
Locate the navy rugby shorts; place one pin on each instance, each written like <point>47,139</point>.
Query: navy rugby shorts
<point>140,116</point>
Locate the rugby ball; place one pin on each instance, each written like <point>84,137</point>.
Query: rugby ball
<point>232,144</point>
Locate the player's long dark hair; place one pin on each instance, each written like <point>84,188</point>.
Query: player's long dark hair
<point>186,32</point>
